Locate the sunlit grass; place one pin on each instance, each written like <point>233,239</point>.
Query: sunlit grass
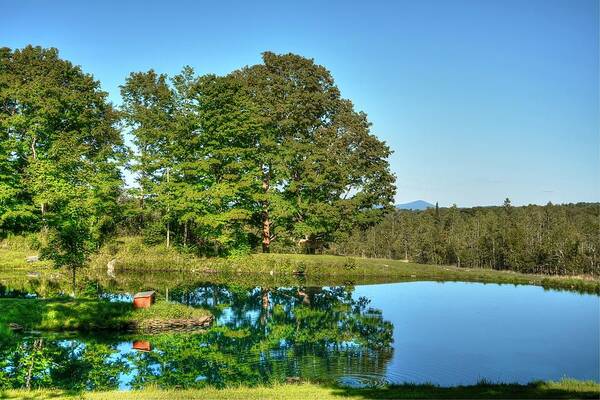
<point>165,310</point>
<point>565,389</point>
<point>131,254</point>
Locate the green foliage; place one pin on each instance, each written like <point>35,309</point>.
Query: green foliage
<point>550,239</point>
<point>59,143</point>
<point>269,151</point>
<point>60,154</point>
<point>69,244</point>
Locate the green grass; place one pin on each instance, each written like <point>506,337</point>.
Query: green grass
<point>16,259</point>
<point>164,310</point>
<point>86,315</point>
<point>132,255</point>
<point>570,389</point>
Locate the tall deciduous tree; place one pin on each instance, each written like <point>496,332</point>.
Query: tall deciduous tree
<point>322,170</point>
<point>60,150</point>
<point>272,146</point>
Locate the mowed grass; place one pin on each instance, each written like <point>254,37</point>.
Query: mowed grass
<point>566,389</point>
<point>87,315</point>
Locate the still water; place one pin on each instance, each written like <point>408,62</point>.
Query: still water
<point>446,333</point>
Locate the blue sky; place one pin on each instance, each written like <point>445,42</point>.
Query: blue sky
<point>480,100</point>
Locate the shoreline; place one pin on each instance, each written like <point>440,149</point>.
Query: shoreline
<point>336,268</point>
<point>132,256</point>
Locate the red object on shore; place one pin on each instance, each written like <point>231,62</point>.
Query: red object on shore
<point>143,299</point>
<point>141,345</point>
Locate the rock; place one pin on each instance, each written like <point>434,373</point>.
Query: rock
<point>110,267</point>
<point>15,327</point>
<point>32,259</point>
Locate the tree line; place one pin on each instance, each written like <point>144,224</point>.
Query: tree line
<point>550,239</point>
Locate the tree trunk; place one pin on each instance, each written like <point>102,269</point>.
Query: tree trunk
<point>168,211</point>
<point>73,281</point>
<point>168,234</point>
<point>185,233</point>
<point>305,298</point>
<point>266,222</point>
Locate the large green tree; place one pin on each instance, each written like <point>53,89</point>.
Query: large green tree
<point>61,152</point>
<point>194,139</point>
<point>322,171</point>
<point>268,151</point>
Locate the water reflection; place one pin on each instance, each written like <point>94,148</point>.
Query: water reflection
<point>271,331</point>
<point>262,335</point>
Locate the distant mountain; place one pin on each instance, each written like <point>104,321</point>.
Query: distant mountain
<point>415,205</point>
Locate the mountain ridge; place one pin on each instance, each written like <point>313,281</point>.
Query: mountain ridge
<point>415,205</point>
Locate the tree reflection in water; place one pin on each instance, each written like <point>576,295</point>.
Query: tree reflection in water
<point>263,335</point>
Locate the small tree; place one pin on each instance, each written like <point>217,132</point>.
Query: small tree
<point>70,242</point>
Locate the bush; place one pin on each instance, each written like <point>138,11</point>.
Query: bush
<point>32,241</point>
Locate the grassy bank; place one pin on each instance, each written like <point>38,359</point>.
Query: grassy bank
<point>566,389</point>
<point>88,315</point>
<point>131,254</point>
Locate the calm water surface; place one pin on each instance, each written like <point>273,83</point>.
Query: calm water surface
<point>445,333</point>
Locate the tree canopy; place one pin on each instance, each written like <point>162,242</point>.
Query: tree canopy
<point>271,151</point>
<point>60,153</point>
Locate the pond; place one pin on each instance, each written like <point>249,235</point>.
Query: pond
<point>447,333</point>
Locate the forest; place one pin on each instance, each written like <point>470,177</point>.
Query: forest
<point>550,239</point>
<point>268,158</point>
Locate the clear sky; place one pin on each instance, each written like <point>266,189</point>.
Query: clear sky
<point>480,100</point>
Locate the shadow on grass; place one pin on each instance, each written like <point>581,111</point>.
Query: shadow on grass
<point>39,394</point>
<point>64,314</point>
<point>94,315</point>
<point>565,389</point>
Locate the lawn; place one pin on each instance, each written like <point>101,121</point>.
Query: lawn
<point>566,389</point>
<point>89,315</point>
